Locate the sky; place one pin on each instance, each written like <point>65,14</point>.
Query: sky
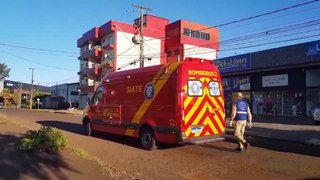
<point>55,25</point>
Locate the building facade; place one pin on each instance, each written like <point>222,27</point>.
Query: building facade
<point>64,96</point>
<point>282,82</point>
<point>114,47</point>
<point>22,90</point>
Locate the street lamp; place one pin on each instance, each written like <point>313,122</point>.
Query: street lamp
<point>38,100</point>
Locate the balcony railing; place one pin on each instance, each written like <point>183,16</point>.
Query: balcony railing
<point>94,54</point>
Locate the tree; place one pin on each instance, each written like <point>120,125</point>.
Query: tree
<point>4,71</point>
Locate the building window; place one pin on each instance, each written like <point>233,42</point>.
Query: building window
<point>74,93</point>
<point>196,34</point>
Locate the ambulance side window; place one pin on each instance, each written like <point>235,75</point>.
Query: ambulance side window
<point>97,96</point>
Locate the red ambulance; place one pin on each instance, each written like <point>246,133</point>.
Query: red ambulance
<point>172,103</point>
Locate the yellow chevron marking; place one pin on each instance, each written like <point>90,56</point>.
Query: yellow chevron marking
<point>193,109</point>
<point>188,131</point>
<point>203,110</point>
<point>159,83</point>
<point>200,115</point>
<point>210,123</point>
<point>217,118</point>
<point>207,133</point>
<point>187,102</point>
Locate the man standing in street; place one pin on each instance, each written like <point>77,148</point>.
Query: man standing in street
<point>241,114</point>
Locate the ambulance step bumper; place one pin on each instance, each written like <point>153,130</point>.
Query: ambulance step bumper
<point>203,140</point>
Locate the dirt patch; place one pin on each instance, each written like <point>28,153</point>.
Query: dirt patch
<point>66,164</point>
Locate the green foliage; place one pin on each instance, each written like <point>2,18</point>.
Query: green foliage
<point>4,71</point>
<point>45,139</point>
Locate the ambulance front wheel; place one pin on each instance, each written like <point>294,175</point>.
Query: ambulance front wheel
<point>147,138</point>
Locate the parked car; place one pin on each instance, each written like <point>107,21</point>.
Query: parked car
<point>316,114</point>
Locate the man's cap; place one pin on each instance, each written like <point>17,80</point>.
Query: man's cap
<point>240,95</point>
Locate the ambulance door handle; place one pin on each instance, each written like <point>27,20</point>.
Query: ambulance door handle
<point>212,113</point>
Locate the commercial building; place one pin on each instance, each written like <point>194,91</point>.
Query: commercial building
<point>114,46</point>
<point>63,96</point>
<point>22,91</point>
<point>275,81</point>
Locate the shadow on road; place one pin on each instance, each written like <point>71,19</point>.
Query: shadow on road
<point>288,120</point>
<point>281,146</point>
<point>17,164</point>
<point>220,148</point>
<point>78,129</point>
<point>66,126</point>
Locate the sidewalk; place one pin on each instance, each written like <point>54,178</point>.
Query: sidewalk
<point>61,111</point>
<point>294,129</point>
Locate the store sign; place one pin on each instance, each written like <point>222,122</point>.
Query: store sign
<point>235,63</point>
<point>313,49</point>
<point>237,83</point>
<point>275,80</point>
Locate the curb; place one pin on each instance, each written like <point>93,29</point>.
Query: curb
<point>58,111</point>
<point>312,142</point>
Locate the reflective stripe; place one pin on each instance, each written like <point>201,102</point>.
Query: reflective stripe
<point>241,112</point>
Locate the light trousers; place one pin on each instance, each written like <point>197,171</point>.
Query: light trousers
<point>240,127</point>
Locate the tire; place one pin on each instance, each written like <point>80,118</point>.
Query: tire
<point>147,139</point>
<point>88,128</point>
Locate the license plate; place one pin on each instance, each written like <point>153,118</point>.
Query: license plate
<point>196,130</point>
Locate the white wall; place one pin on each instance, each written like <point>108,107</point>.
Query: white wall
<point>125,55</point>
<point>1,85</point>
<point>199,52</point>
<point>59,90</point>
<point>73,88</point>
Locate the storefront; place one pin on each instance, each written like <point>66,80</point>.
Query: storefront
<point>279,82</point>
<point>277,93</point>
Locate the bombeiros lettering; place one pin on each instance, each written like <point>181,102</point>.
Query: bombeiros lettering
<point>202,73</point>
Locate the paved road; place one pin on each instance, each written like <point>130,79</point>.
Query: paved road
<point>266,159</point>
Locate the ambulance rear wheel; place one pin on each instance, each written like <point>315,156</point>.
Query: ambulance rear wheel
<point>147,138</point>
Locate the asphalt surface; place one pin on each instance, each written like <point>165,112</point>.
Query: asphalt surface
<point>292,129</point>
<point>266,159</point>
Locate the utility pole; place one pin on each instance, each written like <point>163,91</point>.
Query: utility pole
<point>141,32</point>
<point>20,93</point>
<point>32,69</point>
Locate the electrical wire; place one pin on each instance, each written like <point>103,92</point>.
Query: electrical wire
<point>247,18</point>
<point>24,59</point>
<point>37,49</point>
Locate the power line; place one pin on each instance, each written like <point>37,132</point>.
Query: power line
<point>24,59</point>
<point>247,18</point>
<point>265,14</point>
<point>38,49</point>
<point>64,80</point>
<point>272,18</point>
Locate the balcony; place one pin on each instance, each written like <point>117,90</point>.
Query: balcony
<point>108,47</point>
<point>107,64</point>
<point>94,72</point>
<point>91,35</point>
<point>88,86</point>
<point>93,55</point>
